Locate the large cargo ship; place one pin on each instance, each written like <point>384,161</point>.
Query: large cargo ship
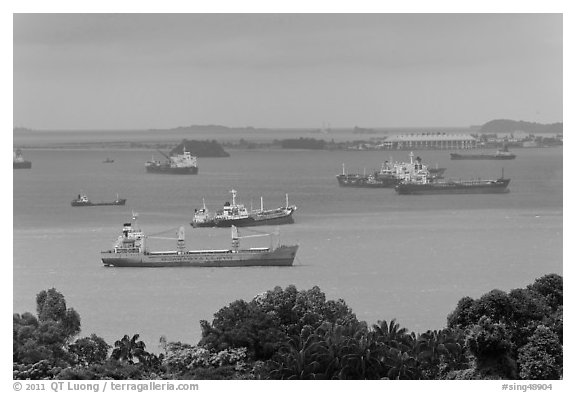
<point>82,200</point>
<point>130,250</point>
<point>19,161</point>
<point>180,164</point>
<point>501,154</point>
<point>238,215</point>
<point>389,175</point>
<point>423,186</point>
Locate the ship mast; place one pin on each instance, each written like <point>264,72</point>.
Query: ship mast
<point>233,192</point>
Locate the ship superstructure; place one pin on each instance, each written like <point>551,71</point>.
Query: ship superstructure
<point>19,162</point>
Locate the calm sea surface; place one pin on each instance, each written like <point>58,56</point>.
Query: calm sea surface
<point>388,256</point>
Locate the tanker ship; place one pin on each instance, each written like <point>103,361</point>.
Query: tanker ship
<point>238,215</point>
<point>478,186</point>
<point>180,164</point>
<point>501,154</point>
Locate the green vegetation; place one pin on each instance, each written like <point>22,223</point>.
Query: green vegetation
<point>292,334</point>
<point>303,143</point>
<point>200,148</point>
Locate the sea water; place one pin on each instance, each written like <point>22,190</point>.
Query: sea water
<point>387,255</point>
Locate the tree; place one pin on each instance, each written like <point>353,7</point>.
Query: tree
<point>550,286</point>
<point>47,336</point>
<point>491,347</point>
<point>267,322</point>
<point>90,350</point>
<point>127,349</point>
<point>541,357</point>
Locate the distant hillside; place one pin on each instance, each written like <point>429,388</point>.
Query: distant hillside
<point>201,148</point>
<point>303,143</point>
<point>504,125</point>
<point>207,127</point>
<point>21,129</point>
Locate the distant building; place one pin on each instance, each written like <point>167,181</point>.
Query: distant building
<point>430,140</point>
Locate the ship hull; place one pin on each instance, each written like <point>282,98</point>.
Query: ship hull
<point>250,221</point>
<point>254,221</point>
<point>23,165</point>
<point>172,171</point>
<point>120,202</point>
<point>455,156</point>
<point>487,187</point>
<point>363,182</point>
<point>281,256</point>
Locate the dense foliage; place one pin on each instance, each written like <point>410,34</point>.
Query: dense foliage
<point>303,143</point>
<point>200,148</point>
<point>292,334</point>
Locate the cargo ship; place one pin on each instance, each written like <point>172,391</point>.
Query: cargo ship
<point>238,215</point>
<point>390,174</point>
<point>130,250</point>
<point>82,200</point>
<point>479,186</point>
<point>501,154</point>
<point>180,164</point>
<point>19,162</point>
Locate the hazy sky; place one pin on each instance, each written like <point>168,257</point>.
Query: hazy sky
<point>127,71</point>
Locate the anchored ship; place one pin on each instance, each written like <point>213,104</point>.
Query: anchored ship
<point>238,215</point>
<point>181,164</point>
<point>20,162</point>
<point>82,200</point>
<point>423,186</point>
<point>501,154</point>
<point>130,250</point>
<point>389,175</point>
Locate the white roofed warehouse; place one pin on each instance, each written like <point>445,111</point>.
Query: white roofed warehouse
<point>431,140</point>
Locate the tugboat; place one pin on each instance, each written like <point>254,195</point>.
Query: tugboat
<point>130,250</point>
<point>236,214</point>
<point>180,164</point>
<point>424,186</point>
<point>82,200</point>
<point>19,161</point>
<point>202,217</point>
<point>390,174</point>
<point>501,154</point>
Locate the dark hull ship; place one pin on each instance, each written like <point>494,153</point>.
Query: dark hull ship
<point>130,251</point>
<point>498,186</point>
<point>422,186</point>
<point>82,200</point>
<point>501,154</point>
